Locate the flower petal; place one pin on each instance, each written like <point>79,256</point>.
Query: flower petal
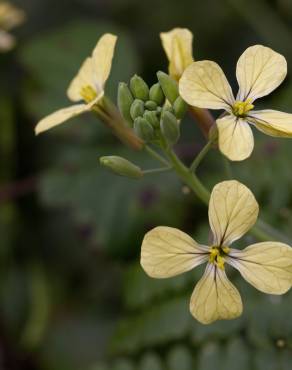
<point>259,71</point>
<point>267,266</point>
<point>84,78</point>
<point>272,122</point>
<point>167,252</point>
<point>233,210</point>
<point>215,297</point>
<point>102,57</point>
<point>60,116</point>
<point>236,140</point>
<point>95,70</point>
<point>204,85</point>
<point>178,46</point>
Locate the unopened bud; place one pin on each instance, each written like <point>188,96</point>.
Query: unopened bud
<point>150,105</point>
<point>139,88</point>
<point>169,86</point>
<point>143,129</point>
<point>121,166</point>
<point>156,94</point>
<point>137,109</point>
<point>152,118</point>
<point>180,108</point>
<point>125,100</point>
<point>169,128</point>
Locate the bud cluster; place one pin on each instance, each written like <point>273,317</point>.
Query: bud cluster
<point>154,113</point>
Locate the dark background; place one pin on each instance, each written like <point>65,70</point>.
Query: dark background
<point>72,293</point>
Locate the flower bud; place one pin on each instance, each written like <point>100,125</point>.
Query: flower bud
<point>150,105</point>
<point>180,108</point>
<point>169,86</point>
<point>143,129</point>
<point>152,118</point>
<point>125,100</point>
<point>156,94</point>
<point>139,88</point>
<point>121,166</point>
<point>169,127</point>
<point>137,109</point>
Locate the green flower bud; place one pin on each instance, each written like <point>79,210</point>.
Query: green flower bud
<point>169,86</point>
<point>121,166</point>
<point>143,129</point>
<point>125,100</point>
<point>150,105</point>
<point>169,127</point>
<point>152,118</point>
<point>137,109</point>
<point>156,94</point>
<point>180,108</point>
<point>139,88</point>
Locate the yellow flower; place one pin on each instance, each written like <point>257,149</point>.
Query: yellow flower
<point>178,46</point>
<point>10,17</point>
<point>259,71</point>
<point>233,210</point>
<point>88,85</point>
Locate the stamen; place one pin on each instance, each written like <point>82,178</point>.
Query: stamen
<point>217,255</point>
<point>241,108</point>
<point>88,93</point>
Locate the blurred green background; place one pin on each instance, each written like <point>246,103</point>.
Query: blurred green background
<point>72,293</point>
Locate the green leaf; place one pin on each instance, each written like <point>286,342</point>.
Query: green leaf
<point>157,325</point>
<point>180,357</point>
<point>210,355</point>
<point>237,355</point>
<point>123,364</point>
<point>151,361</point>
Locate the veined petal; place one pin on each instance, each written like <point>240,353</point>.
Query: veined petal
<point>267,266</point>
<point>272,122</point>
<point>236,140</point>
<point>204,85</point>
<point>178,46</point>
<point>215,297</point>
<point>167,252</point>
<point>233,210</point>
<point>60,116</point>
<point>84,78</point>
<point>259,71</point>
<point>102,57</point>
<point>95,70</point>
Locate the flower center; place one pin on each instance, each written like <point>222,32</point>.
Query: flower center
<point>88,93</point>
<point>241,108</point>
<point>217,255</point>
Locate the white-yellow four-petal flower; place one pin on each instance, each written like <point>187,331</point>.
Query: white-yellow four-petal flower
<point>259,71</point>
<point>88,85</point>
<point>233,210</point>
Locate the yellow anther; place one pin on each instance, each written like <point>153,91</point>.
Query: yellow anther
<point>220,261</point>
<point>88,93</point>
<point>225,249</point>
<point>241,108</point>
<point>214,252</point>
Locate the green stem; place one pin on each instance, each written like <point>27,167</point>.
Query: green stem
<point>157,170</point>
<point>156,155</point>
<point>188,177</point>
<point>261,231</point>
<point>200,156</point>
